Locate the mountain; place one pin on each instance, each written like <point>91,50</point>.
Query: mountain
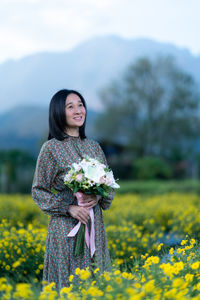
<point>88,67</point>
<point>26,127</point>
<point>27,84</point>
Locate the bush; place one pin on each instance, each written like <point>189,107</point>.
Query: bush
<point>151,168</point>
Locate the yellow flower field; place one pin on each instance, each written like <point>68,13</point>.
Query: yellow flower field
<point>153,242</point>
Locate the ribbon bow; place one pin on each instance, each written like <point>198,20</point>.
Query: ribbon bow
<point>89,239</point>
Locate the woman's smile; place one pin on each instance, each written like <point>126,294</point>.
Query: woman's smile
<point>78,118</point>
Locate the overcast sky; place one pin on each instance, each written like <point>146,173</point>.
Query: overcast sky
<point>30,26</point>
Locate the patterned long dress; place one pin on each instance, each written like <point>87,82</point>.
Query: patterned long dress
<point>53,163</point>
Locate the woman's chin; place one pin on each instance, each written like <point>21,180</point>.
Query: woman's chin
<point>79,124</point>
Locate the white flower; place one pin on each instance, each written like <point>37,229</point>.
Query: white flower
<point>67,177</point>
<point>94,173</point>
<point>103,166</point>
<point>115,185</point>
<point>110,181</point>
<point>83,164</point>
<point>77,167</point>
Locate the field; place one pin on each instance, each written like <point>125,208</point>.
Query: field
<point>153,242</point>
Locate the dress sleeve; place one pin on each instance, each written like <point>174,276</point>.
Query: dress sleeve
<point>45,172</point>
<point>105,203</point>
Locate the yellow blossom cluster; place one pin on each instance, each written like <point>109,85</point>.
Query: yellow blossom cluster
<point>154,249</point>
<point>21,250</point>
<point>152,279</point>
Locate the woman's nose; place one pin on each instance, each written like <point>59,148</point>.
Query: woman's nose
<point>78,110</point>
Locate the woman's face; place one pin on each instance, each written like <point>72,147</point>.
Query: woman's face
<point>74,110</point>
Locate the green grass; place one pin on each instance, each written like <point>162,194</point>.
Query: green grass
<point>154,187</point>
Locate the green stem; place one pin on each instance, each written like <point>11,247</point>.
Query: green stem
<point>80,238</point>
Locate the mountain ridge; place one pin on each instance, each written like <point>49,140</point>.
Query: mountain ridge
<point>27,84</point>
<point>88,67</point>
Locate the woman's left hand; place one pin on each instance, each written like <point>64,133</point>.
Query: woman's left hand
<point>90,200</point>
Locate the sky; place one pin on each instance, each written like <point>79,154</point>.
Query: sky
<point>32,26</point>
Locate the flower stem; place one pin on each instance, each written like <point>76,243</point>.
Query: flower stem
<point>80,238</point>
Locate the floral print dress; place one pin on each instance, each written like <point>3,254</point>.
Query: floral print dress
<point>53,162</point>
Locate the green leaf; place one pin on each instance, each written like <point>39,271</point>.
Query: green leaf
<point>76,189</point>
<point>80,239</point>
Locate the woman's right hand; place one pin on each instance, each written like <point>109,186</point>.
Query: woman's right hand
<point>80,213</point>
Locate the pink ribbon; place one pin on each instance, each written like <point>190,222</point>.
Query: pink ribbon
<point>89,239</point>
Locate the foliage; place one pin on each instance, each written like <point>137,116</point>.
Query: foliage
<point>154,109</point>
<point>151,168</point>
<point>16,170</point>
<point>152,187</point>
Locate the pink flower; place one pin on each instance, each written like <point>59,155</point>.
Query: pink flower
<point>108,181</point>
<point>79,177</point>
<point>102,180</point>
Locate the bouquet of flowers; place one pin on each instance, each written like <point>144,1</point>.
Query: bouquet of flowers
<point>89,176</point>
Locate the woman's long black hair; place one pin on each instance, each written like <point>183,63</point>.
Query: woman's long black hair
<point>57,116</point>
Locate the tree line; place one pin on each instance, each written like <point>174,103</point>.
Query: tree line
<point>153,109</point>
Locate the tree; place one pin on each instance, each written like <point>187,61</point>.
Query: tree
<point>16,171</point>
<point>153,109</point>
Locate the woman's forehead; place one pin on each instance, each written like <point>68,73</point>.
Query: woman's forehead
<point>72,98</point>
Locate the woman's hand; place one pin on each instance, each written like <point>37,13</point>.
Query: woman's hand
<point>90,200</point>
<point>80,213</point>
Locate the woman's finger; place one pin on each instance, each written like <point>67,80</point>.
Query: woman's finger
<point>88,204</point>
<point>89,197</point>
<point>85,214</point>
<point>89,200</point>
<point>82,219</point>
<point>91,204</point>
<point>85,211</point>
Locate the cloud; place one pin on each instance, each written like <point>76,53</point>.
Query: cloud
<point>59,19</point>
<point>28,26</point>
<point>14,43</point>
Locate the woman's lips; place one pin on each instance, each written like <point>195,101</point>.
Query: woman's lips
<point>78,118</point>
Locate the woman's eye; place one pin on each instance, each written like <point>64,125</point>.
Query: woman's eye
<point>72,106</point>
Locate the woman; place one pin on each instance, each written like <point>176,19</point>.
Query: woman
<point>66,144</point>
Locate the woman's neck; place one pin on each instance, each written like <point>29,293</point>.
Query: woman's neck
<point>73,132</point>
